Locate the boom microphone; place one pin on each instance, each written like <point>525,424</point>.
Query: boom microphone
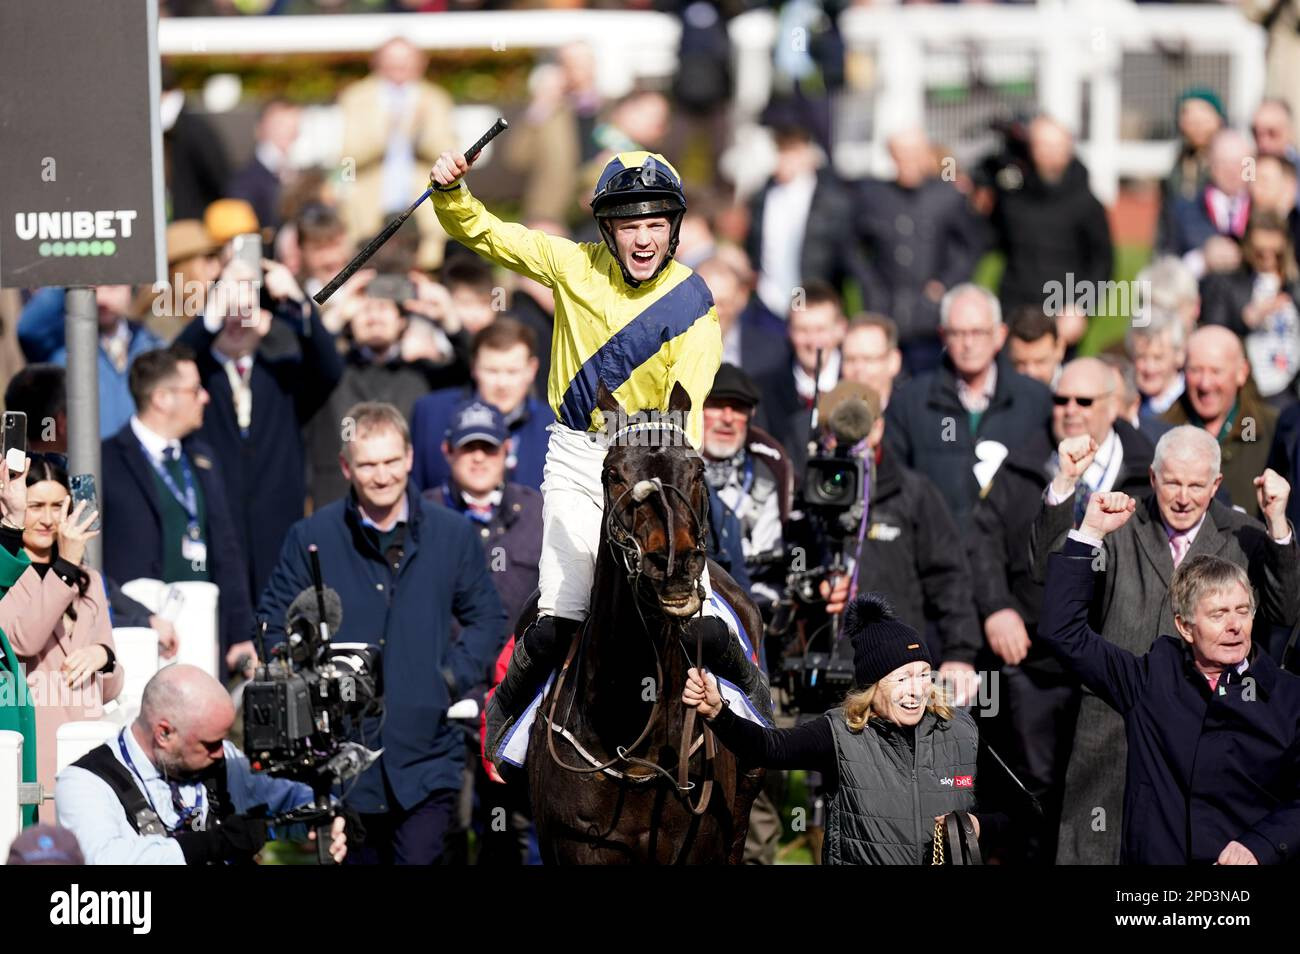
<point>302,620</point>
<point>850,422</point>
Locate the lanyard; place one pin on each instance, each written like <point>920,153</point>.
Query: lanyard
<point>749,476</point>
<point>184,814</point>
<point>189,500</point>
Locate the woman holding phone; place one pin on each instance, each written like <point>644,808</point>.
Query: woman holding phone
<point>56,614</point>
<point>896,757</point>
<point>1260,302</point>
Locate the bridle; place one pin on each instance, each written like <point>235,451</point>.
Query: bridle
<point>627,550</point>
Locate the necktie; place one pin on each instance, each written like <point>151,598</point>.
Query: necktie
<point>187,815</point>
<point>172,461</point>
<point>238,372</point>
<point>1178,546</point>
<point>116,349</point>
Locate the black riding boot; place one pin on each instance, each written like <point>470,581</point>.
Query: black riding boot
<point>726,657</point>
<point>536,655</point>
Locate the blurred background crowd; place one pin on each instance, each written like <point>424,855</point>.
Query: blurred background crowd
<point>929,202</point>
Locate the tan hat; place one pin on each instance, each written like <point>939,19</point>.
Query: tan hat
<point>187,238</point>
<point>227,218</point>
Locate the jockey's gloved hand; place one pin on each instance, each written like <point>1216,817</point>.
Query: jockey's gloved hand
<point>541,638</point>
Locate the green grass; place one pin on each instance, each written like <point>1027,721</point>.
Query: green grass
<point>1104,330</point>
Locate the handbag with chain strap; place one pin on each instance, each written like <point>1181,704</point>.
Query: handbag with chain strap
<point>955,841</point>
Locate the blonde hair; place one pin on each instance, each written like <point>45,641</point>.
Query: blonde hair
<point>858,705</point>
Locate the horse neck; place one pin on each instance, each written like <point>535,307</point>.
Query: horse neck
<point>618,654</point>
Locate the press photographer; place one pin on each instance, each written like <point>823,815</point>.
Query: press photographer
<point>169,790</point>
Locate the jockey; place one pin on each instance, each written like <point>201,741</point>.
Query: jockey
<point>628,315</point>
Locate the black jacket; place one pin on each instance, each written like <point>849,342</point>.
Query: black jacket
<point>260,188</point>
<point>197,168</point>
<point>1224,296</point>
<point>1284,457</point>
<point>912,553</point>
<point>1004,517</point>
<point>830,251</point>
<point>1205,767</point>
<point>265,472</point>
<point>133,527</point>
<point>913,236</point>
<point>1048,230</point>
<point>400,383</point>
<point>927,429</point>
<point>512,542</point>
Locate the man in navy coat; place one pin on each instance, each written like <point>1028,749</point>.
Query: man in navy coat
<point>503,364</point>
<point>153,526</point>
<point>404,568</point>
<point>1213,727</point>
<point>268,372</point>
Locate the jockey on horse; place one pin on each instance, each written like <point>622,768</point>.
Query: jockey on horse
<point>629,316</point>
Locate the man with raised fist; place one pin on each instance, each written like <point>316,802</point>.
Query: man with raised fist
<point>1211,722</point>
<point>1134,562</point>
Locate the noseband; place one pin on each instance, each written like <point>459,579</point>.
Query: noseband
<point>627,550</point>
<point>619,514</point>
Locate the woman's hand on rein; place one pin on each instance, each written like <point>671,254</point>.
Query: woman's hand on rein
<point>702,694</point>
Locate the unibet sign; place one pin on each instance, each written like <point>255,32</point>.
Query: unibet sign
<point>87,233</point>
<point>80,147</point>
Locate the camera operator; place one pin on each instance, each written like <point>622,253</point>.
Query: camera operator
<point>747,469</point>
<point>170,790</point>
<point>403,568</point>
<point>909,545</point>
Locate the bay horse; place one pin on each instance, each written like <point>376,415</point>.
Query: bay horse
<point>604,762</point>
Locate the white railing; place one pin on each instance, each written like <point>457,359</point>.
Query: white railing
<point>1067,53</point>
<point>11,776</point>
<point>629,46</point>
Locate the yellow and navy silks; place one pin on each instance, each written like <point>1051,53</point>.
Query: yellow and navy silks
<point>639,341</point>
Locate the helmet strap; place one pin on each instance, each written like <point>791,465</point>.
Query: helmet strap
<point>675,228</point>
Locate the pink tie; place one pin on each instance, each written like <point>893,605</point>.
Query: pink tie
<point>1179,544</point>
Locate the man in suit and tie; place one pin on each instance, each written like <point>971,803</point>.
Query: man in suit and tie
<point>817,326</point>
<point>1131,605</point>
<point>260,181</point>
<point>394,124</point>
<point>165,511</point>
<point>268,372</point>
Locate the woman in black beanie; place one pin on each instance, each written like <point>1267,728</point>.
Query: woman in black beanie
<point>894,757</point>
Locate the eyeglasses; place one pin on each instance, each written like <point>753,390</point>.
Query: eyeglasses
<point>192,391</point>
<point>1061,400</point>
<point>974,334</point>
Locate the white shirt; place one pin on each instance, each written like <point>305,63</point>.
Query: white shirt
<point>271,157</point>
<point>402,516</point>
<point>398,166</point>
<point>154,444</point>
<point>1165,399</point>
<point>785,218</point>
<point>830,376</point>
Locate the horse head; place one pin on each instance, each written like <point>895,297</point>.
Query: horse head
<point>656,503</point>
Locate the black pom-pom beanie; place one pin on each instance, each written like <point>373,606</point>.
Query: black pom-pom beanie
<point>881,641</point>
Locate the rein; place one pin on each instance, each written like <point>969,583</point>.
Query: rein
<point>626,549</point>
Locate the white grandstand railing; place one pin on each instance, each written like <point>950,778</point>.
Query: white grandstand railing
<point>630,46</point>
<point>1073,45</point>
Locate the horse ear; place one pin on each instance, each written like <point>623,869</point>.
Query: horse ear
<point>679,401</point>
<point>606,401</point>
